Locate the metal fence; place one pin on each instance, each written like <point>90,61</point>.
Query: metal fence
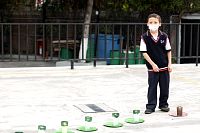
<point>113,43</point>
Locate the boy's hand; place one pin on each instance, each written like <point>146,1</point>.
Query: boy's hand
<point>170,68</point>
<point>155,68</point>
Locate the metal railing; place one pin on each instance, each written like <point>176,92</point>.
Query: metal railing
<point>114,43</point>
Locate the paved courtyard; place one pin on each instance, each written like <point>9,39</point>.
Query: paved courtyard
<point>47,95</point>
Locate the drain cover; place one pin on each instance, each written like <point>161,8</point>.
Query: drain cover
<point>94,108</point>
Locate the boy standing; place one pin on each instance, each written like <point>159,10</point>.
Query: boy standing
<point>156,50</point>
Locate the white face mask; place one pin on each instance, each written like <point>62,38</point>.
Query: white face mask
<point>153,27</point>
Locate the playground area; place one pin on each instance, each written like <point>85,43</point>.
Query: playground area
<point>33,96</point>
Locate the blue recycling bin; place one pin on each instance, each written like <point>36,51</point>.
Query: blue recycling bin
<point>106,44</point>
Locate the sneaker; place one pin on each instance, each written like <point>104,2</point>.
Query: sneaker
<point>149,111</point>
<point>164,109</point>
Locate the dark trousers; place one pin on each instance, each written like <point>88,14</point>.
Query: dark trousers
<point>163,79</point>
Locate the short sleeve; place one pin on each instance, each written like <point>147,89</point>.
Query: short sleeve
<point>143,47</point>
<point>168,46</point>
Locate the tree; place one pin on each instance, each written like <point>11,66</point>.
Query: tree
<point>144,7</point>
<point>141,6</point>
<point>158,6</point>
<point>6,7</point>
<point>84,45</point>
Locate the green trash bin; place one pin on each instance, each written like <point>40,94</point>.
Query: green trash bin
<point>115,57</point>
<point>131,57</point>
<point>139,56</point>
<point>90,49</point>
<point>65,53</point>
<point>135,57</point>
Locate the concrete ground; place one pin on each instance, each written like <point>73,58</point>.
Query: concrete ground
<point>47,95</point>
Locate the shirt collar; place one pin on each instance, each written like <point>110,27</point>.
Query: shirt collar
<point>159,33</point>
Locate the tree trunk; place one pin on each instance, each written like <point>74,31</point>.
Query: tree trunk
<point>87,20</point>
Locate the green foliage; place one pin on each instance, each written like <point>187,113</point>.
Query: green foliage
<point>171,6</point>
<point>6,7</point>
<point>127,6</point>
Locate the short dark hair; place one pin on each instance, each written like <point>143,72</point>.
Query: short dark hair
<point>154,15</point>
